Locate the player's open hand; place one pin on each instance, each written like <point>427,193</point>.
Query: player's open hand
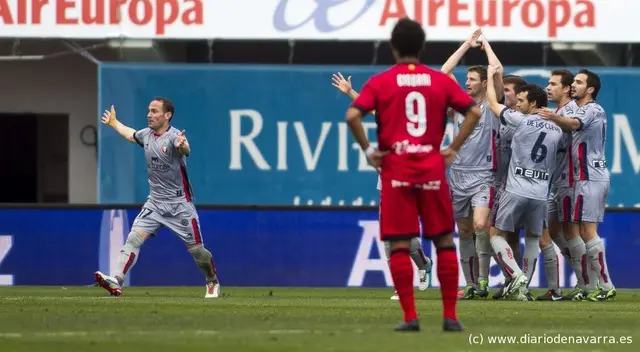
<point>473,39</point>
<point>448,154</point>
<point>547,113</point>
<point>181,139</point>
<point>375,159</point>
<point>109,117</point>
<point>343,85</point>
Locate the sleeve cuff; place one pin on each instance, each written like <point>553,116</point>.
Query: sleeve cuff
<point>362,110</point>
<point>135,137</point>
<point>466,109</point>
<point>502,119</point>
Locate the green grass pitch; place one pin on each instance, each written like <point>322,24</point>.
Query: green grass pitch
<point>298,319</point>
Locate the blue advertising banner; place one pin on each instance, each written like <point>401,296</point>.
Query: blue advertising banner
<point>311,248</point>
<point>275,135</point>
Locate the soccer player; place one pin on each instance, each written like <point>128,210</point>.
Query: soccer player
<point>170,202</point>
<point>472,174</point>
<point>423,262</point>
<point>512,84</point>
<point>559,203</point>
<point>534,145</point>
<point>411,101</point>
<point>591,185</point>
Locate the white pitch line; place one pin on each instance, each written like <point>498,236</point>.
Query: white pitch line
<point>58,334</point>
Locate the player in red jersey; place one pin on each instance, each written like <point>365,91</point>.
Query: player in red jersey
<point>411,101</point>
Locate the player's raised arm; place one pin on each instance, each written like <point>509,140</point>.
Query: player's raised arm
<point>494,61</point>
<point>109,119</point>
<point>492,96</point>
<point>565,123</point>
<point>452,62</point>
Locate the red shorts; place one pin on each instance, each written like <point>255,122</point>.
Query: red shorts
<point>404,205</point>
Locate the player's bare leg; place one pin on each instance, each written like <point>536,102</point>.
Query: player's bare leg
<point>551,267</point>
<point>579,260</point>
<point>468,256</point>
<point>503,251</point>
<point>448,276</point>
<point>126,260</point>
<point>402,274</point>
<point>483,250</point>
<point>598,258</point>
<point>204,261</point>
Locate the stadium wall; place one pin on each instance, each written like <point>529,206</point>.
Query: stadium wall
<point>275,135</point>
<point>65,85</point>
<point>251,246</point>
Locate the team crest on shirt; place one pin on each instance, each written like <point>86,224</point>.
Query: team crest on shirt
<point>164,149</point>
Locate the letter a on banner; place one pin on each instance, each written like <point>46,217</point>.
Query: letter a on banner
<point>113,234</point>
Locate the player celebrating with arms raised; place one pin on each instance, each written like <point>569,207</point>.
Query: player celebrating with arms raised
<point>472,174</point>
<point>411,100</point>
<point>591,186</point>
<point>170,202</point>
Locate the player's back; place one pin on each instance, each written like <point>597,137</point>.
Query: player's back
<point>589,144</point>
<point>533,157</point>
<point>411,116</point>
<point>167,168</point>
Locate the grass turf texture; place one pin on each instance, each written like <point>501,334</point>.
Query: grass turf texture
<point>293,319</point>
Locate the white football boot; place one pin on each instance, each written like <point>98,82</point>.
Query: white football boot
<point>109,283</point>
<point>213,290</point>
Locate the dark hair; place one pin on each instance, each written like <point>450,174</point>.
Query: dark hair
<point>408,38</point>
<point>535,93</point>
<point>517,81</point>
<point>481,70</point>
<point>566,77</point>
<point>593,81</point>
<point>167,105</point>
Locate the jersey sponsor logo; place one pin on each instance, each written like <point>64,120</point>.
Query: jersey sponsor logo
<point>599,164</point>
<point>404,147</point>
<point>156,165</point>
<point>528,173</point>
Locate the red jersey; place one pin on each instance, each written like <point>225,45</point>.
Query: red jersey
<point>411,102</point>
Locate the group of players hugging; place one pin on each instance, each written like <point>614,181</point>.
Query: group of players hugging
<point>513,163</point>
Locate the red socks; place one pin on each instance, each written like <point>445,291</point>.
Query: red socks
<point>448,277</point>
<point>402,274</point>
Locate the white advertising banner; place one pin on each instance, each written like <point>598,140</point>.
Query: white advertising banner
<point>590,21</point>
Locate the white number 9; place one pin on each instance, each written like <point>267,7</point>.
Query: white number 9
<point>417,115</point>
